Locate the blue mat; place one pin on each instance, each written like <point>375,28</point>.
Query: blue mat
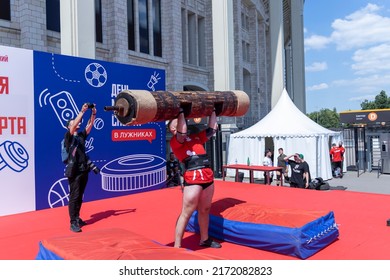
<point>301,242</point>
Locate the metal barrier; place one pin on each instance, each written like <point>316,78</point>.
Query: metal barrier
<point>380,164</point>
<point>358,162</point>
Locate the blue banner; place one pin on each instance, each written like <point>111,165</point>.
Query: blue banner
<point>131,159</point>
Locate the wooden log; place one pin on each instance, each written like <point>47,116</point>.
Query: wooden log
<point>141,106</point>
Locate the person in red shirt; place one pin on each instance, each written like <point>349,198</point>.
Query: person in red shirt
<point>198,177</point>
<point>337,157</point>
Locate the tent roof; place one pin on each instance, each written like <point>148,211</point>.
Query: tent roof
<point>284,120</point>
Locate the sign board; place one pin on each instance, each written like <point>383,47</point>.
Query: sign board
<point>39,92</point>
<point>368,117</point>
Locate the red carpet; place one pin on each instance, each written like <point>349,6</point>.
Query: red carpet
<point>361,218</point>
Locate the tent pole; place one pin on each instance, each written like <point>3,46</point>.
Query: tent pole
<point>317,172</point>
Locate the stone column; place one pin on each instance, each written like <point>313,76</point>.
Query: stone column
<point>32,25</point>
<point>277,49</point>
<point>223,45</point>
<point>298,55</point>
<point>117,37</point>
<point>78,28</point>
<point>172,42</point>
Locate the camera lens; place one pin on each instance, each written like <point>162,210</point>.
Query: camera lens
<point>91,105</point>
<point>93,167</point>
<point>96,170</point>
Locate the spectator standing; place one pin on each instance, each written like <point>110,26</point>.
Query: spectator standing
<point>173,171</point>
<point>337,158</point>
<point>281,162</point>
<point>300,173</point>
<point>267,161</point>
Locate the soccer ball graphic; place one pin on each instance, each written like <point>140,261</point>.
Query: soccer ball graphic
<point>96,75</point>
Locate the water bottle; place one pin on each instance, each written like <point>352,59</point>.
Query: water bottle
<point>248,161</point>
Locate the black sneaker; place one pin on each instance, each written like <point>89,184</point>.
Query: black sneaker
<point>210,243</point>
<point>75,227</point>
<point>81,222</point>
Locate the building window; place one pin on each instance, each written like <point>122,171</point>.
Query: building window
<point>245,21</point>
<point>245,52</point>
<point>246,75</point>
<point>53,20</point>
<point>98,21</point>
<point>193,38</point>
<point>5,9</point>
<point>201,42</point>
<point>140,16</point>
<point>192,58</point>
<point>157,43</point>
<point>184,46</point>
<point>143,26</point>
<point>130,25</point>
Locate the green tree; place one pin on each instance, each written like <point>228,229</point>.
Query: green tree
<point>326,118</point>
<point>381,101</point>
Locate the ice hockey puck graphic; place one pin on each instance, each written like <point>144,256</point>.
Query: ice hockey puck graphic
<point>133,172</point>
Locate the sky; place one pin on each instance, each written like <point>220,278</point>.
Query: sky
<point>347,52</point>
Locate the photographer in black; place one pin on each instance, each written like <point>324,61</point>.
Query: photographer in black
<point>173,171</point>
<point>78,176</point>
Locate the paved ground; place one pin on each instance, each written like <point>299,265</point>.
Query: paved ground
<point>366,182</point>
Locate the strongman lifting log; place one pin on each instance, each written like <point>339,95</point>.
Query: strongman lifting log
<point>140,106</point>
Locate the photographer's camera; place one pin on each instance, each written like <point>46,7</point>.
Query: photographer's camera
<point>91,105</point>
<point>93,167</point>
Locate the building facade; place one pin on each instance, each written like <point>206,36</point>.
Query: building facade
<point>264,40</point>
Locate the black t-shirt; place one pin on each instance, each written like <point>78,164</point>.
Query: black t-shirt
<point>297,170</point>
<point>172,167</point>
<point>80,156</point>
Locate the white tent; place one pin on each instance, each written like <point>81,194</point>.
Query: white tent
<point>291,130</point>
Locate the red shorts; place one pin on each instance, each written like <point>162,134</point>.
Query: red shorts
<point>199,176</point>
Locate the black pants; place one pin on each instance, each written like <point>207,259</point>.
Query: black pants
<point>295,185</point>
<point>174,180</point>
<point>266,179</point>
<point>338,164</point>
<point>77,186</point>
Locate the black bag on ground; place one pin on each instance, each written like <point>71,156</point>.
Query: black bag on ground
<point>323,187</point>
<point>318,184</point>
